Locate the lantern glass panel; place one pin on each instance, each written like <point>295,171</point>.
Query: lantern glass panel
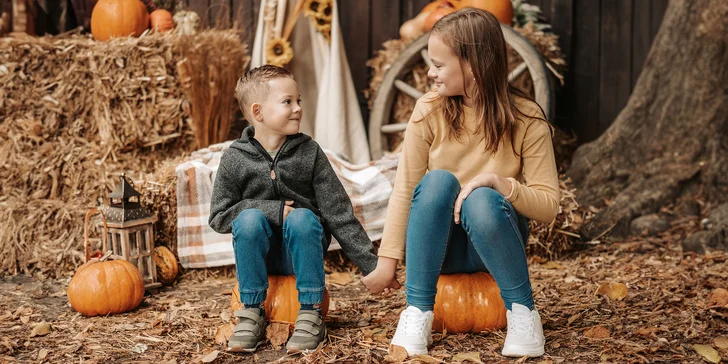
<point>143,267</point>
<point>116,243</point>
<point>133,245</point>
<point>145,242</point>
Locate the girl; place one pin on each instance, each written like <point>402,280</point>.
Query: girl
<point>491,166</point>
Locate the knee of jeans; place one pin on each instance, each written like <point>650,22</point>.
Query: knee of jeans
<point>249,222</point>
<point>436,186</point>
<point>482,206</point>
<point>301,218</point>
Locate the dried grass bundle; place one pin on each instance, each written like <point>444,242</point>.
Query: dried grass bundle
<point>549,241</point>
<point>74,113</point>
<point>213,63</point>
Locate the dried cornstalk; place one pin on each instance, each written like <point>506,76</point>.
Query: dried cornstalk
<point>208,74</point>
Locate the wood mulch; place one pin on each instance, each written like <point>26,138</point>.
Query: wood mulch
<point>663,303</point>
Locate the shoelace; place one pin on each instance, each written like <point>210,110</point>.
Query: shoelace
<point>413,324</point>
<point>521,325</point>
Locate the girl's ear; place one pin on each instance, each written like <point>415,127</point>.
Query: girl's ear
<point>468,70</point>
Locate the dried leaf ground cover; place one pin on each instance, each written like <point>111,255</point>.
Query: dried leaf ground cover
<point>635,301</point>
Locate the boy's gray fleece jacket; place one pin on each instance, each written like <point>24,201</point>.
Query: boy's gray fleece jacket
<point>249,178</point>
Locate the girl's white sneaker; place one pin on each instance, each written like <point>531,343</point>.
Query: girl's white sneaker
<point>414,331</point>
<point>525,333</point>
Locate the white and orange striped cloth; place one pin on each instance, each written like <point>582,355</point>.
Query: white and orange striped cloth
<point>198,246</point>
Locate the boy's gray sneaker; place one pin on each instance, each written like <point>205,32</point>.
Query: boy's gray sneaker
<point>309,332</point>
<point>249,333</point>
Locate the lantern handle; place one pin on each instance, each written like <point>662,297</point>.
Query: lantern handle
<point>104,244</point>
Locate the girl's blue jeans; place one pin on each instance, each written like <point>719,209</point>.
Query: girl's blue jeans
<point>491,237</point>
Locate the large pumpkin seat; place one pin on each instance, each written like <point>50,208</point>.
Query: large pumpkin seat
<point>468,302</point>
<point>281,302</point>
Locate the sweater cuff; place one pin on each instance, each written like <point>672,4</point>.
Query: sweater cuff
<point>394,254</point>
<point>514,190</point>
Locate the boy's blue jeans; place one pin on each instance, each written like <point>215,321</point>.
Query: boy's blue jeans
<point>490,238</point>
<point>296,250</point>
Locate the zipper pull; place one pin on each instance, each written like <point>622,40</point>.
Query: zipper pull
<point>272,174</point>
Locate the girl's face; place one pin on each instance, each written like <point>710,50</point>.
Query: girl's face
<point>446,70</point>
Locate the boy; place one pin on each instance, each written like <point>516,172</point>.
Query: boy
<point>277,193</point>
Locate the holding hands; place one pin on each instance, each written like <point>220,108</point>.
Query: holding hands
<point>383,279</point>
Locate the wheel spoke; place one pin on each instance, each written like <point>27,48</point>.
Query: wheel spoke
<point>393,128</point>
<point>409,90</point>
<point>426,57</point>
<point>517,71</point>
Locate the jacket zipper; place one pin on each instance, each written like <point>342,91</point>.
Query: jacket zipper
<point>272,163</point>
<point>273,175</point>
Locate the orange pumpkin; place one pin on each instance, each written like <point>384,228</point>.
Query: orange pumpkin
<point>101,287</point>
<point>435,5</point>
<point>161,20</point>
<point>413,28</point>
<point>281,303</point>
<point>166,264</point>
<point>435,16</point>
<point>502,9</point>
<point>468,303</point>
<point>118,18</point>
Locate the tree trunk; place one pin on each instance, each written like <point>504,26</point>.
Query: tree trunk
<point>670,142</point>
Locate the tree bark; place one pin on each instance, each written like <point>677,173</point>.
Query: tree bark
<point>671,140</point>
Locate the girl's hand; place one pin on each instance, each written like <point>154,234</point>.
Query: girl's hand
<point>492,180</point>
<point>378,282</point>
<point>383,278</point>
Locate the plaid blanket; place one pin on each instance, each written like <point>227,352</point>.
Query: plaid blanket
<point>368,185</point>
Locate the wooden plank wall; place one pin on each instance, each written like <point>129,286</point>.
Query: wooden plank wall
<point>605,41</point>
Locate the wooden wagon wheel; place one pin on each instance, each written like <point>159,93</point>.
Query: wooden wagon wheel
<point>379,121</point>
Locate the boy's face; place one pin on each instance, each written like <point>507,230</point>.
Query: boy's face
<point>280,111</point>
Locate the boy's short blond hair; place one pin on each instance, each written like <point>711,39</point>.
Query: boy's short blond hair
<point>254,85</point>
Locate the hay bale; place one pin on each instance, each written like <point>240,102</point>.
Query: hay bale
<point>159,195</point>
<point>75,113</point>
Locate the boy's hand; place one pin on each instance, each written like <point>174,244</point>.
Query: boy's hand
<point>287,209</point>
<point>383,278</point>
<point>379,282</point>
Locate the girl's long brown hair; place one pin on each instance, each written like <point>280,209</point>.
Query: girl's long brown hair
<point>476,38</point>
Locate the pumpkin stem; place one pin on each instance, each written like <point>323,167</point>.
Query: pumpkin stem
<point>106,256</point>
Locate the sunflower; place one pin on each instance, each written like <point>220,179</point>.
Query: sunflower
<point>323,27</point>
<point>311,7</point>
<point>278,52</point>
<point>325,10</point>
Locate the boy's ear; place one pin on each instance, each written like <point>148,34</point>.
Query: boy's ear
<point>255,112</point>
